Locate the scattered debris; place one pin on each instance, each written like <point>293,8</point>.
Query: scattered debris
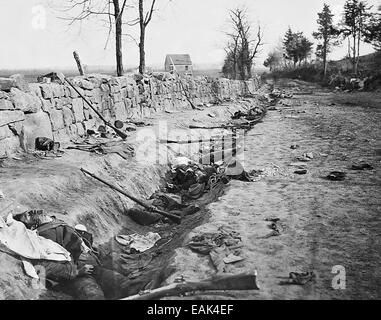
<point>275,220</point>
<point>301,171</point>
<point>122,148</point>
<point>305,157</point>
<point>171,216</point>
<point>299,278</point>
<point>217,245</point>
<point>46,144</point>
<point>336,176</point>
<point>274,227</point>
<point>273,233</point>
<point>231,258</point>
<point>138,242</point>
<point>362,166</point>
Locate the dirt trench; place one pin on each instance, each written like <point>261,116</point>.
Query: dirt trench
<point>58,186</point>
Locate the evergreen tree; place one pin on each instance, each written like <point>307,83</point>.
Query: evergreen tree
<point>296,46</point>
<point>289,45</point>
<point>304,47</point>
<point>327,33</point>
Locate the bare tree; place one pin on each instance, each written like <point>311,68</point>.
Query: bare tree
<point>243,47</point>
<point>144,20</point>
<point>109,12</point>
<point>355,19</point>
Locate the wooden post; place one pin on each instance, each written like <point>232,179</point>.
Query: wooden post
<point>79,64</point>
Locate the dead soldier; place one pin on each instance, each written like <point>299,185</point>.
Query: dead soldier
<point>83,276</point>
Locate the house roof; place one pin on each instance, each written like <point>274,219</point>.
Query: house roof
<point>179,59</point>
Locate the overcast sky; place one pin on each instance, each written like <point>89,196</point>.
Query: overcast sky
<point>180,26</point>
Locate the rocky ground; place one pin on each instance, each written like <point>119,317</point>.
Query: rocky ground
<point>321,224</point>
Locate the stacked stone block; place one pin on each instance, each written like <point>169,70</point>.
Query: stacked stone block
<point>57,111</point>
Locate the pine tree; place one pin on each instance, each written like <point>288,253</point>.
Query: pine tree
<point>304,47</point>
<point>289,45</point>
<point>327,33</point>
<point>296,46</point>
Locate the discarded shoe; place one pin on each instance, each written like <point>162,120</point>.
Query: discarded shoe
<point>336,176</point>
<point>362,166</point>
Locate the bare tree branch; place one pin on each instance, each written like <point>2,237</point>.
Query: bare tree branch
<point>149,13</point>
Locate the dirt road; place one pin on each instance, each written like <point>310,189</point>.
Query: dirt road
<point>322,223</point>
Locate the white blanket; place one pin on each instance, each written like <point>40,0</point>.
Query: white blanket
<point>26,243</point>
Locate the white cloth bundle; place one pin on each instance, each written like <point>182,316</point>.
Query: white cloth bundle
<point>26,243</point>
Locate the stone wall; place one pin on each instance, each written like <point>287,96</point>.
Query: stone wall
<point>56,111</point>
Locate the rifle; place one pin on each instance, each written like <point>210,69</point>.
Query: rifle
<point>171,216</point>
<point>117,131</point>
<point>242,281</point>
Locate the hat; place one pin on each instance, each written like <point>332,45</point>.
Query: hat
<point>19,209</point>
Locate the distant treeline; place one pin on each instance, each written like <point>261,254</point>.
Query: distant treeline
<point>359,23</point>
